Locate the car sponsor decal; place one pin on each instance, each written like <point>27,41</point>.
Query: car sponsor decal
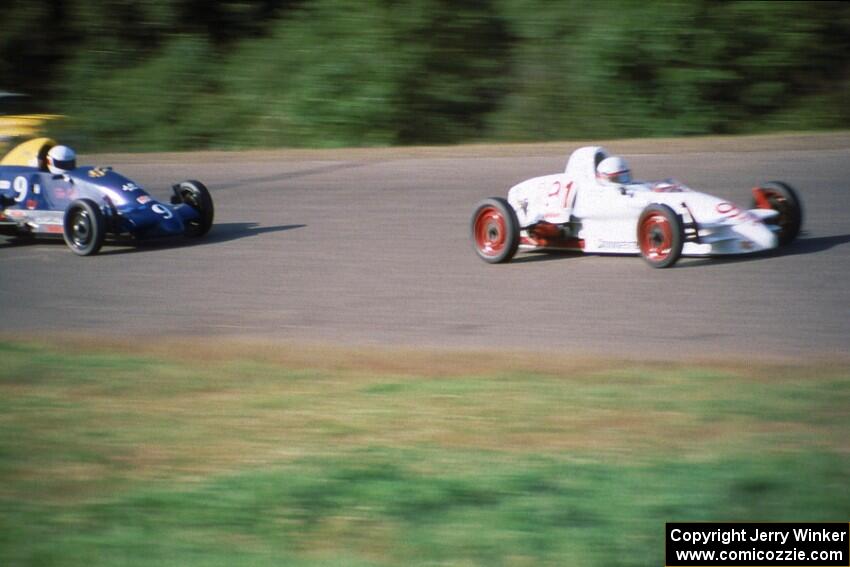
<point>733,212</point>
<point>5,184</point>
<point>55,218</point>
<point>130,186</point>
<point>725,208</point>
<point>62,192</point>
<point>616,244</point>
<point>97,172</point>
<point>665,187</point>
<point>143,199</point>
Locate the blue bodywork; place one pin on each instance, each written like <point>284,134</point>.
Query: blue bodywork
<point>34,201</point>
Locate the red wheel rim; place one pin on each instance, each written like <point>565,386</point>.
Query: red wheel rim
<point>777,202</point>
<point>764,197</point>
<point>490,231</point>
<point>656,237</point>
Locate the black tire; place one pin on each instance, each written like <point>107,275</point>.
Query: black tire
<point>495,230</point>
<point>660,236</point>
<point>196,195</point>
<point>782,198</point>
<point>84,227</point>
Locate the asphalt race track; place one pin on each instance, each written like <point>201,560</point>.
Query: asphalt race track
<point>372,248</point>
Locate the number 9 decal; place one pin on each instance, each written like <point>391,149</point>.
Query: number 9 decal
<point>157,208</point>
<point>20,186</point>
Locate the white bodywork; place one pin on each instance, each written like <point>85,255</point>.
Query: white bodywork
<point>601,218</point>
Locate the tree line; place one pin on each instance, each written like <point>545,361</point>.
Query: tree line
<point>188,74</point>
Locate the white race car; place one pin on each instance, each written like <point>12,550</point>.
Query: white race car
<point>584,211</point>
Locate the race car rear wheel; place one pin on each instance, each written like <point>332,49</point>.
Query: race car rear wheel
<point>660,235</point>
<point>782,198</point>
<point>495,230</point>
<point>84,227</point>
<point>196,195</point>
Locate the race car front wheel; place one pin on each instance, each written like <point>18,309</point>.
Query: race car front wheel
<point>495,230</point>
<point>196,195</point>
<point>84,228</point>
<point>782,198</point>
<point>660,235</point>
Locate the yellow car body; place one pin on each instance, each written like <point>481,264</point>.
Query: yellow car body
<point>24,126</point>
<point>28,154</point>
<point>17,122</point>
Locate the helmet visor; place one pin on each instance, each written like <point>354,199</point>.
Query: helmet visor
<point>624,176</point>
<point>64,164</point>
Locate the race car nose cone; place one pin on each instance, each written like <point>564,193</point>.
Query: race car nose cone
<point>756,236</point>
<point>173,225</point>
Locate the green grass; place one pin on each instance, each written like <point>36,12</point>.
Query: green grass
<point>153,459</point>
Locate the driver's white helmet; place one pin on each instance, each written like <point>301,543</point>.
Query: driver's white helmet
<point>614,171</point>
<point>61,159</point>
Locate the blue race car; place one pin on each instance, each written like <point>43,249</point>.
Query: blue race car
<point>87,204</point>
